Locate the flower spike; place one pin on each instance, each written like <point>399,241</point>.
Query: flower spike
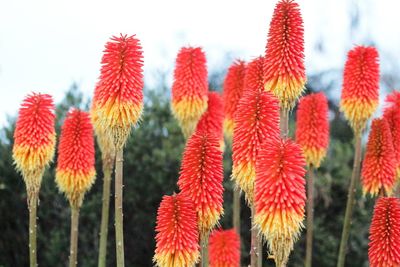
<point>284,71</point>
<point>280,195</point>
<point>224,248</point>
<point>190,88</point>
<point>312,132</point>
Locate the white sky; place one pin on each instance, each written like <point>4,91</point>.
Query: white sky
<point>47,45</point>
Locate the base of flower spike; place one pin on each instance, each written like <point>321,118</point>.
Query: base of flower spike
<point>117,118</point>
<point>281,230</point>
<point>229,124</point>
<point>357,112</point>
<point>374,187</point>
<point>314,155</point>
<point>74,184</point>
<point>244,174</point>
<point>176,258</point>
<point>286,89</point>
<point>188,111</point>
<point>29,158</point>
<point>208,219</point>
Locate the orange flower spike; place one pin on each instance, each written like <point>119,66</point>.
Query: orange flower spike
<point>360,93</point>
<point>312,132</point>
<point>280,195</point>
<point>392,116</point>
<point>379,165</point>
<point>257,118</point>
<point>177,234</point>
<point>224,248</point>
<point>284,71</point>
<point>384,233</point>
<point>75,171</point>
<point>232,92</point>
<point>211,121</point>
<point>34,139</point>
<point>201,178</point>
<point>254,78</point>
<point>190,88</point>
<point>118,98</point>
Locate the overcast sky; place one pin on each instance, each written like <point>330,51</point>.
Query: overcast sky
<point>47,45</point>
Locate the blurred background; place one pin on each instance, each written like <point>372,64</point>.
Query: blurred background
<point>55,47</point>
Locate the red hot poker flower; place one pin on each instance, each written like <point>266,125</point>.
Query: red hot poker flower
<point>392,116</point>
<point>201,178</point>
<point>211,121</point>
<point>232,92</point>
<point>379,165</point>
<point>360,93</point>
<point>280,195</point>
<point>177,234</point>
<point>118,99</point>
<point>284,71</point>
<point>75,171</point>
<point>257,119</point>
<point>384,233</point>
<point>224,247</point>
<point>254,78</point>
<point>190,88</point>
<point>312,132</point>
<point>34,138</point>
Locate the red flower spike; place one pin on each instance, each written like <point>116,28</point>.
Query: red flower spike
<point>254,78</point>
<point>384,233</point>
<point>118,98</point>
<point>312,132</point>
<point>257,118</point>
<point>360,93</point>
<point>392,116</point>
<point>379,165</point>
<point>232,92</point>
<point>190,88</point>
<point>284,71</point>
<point>177,234</point>
<point>211,121</point>
<point>280,195</point>
<point>201,178</point>
<point>75,171</point>
<point>34,138</point>
<point>224,248</point>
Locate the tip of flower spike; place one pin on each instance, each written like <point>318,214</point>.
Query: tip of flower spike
<point>190,88</point>
<point>118,96</point>
<point>34,138</point>
<point>212,120</point>
<point>257,118</point>
<point>254,78</point>
<point>284,71</point>
<point>75,171</point>
<point>177,234</point>
<point>379,165</point>
<point>201,178</point>
<point>280,195</point>
<point>312,127</point>
<point>384,245</point>
<point>232,91</point>
<point>392,115</point>
<point>224,248</point>
<point>360,92</point>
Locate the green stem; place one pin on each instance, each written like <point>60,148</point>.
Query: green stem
<point>204,250</point>
<point>236,210</point>
<point>350,201</point>
<point>254,249</point>
<point>119,227</point>
<point>284,122</point>
<point>107,171</point>
<point>310,216</point>
<point>74,237</point>
<point>32,207</point>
